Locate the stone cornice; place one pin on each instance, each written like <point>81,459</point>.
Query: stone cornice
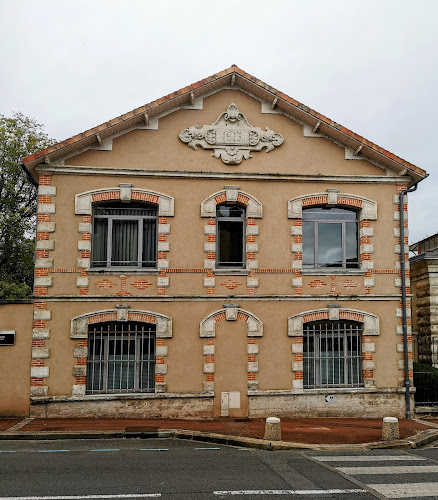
<point>178,174</point>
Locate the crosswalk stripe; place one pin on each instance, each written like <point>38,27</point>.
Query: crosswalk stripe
<point>377,458</point>
<point>396,469</point>
<point>407,490</point>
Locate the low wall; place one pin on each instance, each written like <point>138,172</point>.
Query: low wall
<point>354,404</point>
<point>190,408</point>
<point>15,360</point>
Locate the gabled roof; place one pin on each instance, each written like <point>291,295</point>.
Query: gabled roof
<point>233,76</point>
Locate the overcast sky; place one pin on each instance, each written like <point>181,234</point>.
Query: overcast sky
<point>371,65</point>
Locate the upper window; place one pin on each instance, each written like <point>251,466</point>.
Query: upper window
<point>121,357</point>
<point>330,238</point>
<point>332,354</point>
<point>230,236</point>
<point>124,235</point>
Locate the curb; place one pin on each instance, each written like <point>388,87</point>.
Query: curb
<point>418,440</point>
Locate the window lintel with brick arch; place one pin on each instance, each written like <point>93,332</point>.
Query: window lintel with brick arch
<point>125,193</point>
<point>232,194</point>
<point>79,324</point>
<point>230,313</point>
<point>367,208</point>
<point>370,321</point>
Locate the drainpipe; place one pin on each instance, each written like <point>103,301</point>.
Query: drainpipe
<point>403,288</point>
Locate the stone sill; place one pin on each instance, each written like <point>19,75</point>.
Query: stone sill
<point>231,272</point>
<point>121,271</point>
<point>339,272</point>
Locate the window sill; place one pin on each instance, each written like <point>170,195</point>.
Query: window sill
<point>325,271</point>
<point>125,270</point>
<point>231,272</point>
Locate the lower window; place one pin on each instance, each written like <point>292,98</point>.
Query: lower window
<point>121,358</point>
<point>332,354</point>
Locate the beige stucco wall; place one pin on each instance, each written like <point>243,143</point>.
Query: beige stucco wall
<point>162,150</point>
<point>15,360</point>
<point>185,359</point>
<point>185,300</point>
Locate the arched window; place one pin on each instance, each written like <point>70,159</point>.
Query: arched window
<point>121,357</point>
<point>230,230</point>
<point>332,354</point>
<point>124,235</point>
<point>330,237</point>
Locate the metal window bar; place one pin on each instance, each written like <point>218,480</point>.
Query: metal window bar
<point>332,354</point>
<point>121,358</point>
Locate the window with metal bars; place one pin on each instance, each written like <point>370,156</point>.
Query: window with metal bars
<point>124,235</point>
<point>121,357</point>
<point>332,354</point>
<point>330,237</point>
<point>230,236</point>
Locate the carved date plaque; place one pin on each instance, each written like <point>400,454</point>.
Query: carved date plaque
<point>231,137</point>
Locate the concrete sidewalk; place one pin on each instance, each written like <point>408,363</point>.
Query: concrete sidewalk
<point>308,433</point>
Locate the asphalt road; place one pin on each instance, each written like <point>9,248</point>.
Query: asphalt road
<point>167,468</point>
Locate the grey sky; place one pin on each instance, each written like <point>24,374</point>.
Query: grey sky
<point>370,65</point>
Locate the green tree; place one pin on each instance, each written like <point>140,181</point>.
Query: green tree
<point>20,136</point>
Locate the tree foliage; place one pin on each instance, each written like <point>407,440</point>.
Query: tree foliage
<point>20,136</point>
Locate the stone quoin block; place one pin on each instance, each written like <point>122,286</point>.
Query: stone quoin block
<point>43,281</point>
<point>161,369</point>
<point>40,352</point>
<point>42,314</point>
<point>39,372</point>
<point>41,333</point>
<point>45,245</point>
<point>46,227</point>
<point>161,350</point>
<point>39,391</point>
<point>208,350</point>
<point>78,391</point>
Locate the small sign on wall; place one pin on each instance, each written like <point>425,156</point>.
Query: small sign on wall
<point>7,337</point>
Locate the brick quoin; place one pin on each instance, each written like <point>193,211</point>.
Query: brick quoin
<point>45,180</point>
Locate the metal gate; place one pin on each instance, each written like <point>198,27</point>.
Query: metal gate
<point>425,355</point>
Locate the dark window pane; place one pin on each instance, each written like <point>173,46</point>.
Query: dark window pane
<point>308,244</point>
<point>149,243</point>
<point>230,244</point>
<point>124,243</point>
<point>323,213</point>
<point>351,238</point>
<point>230,211</point>
<point>100,242</point>
<point>329,245</point>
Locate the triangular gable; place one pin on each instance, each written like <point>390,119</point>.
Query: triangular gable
<point>274,101</point>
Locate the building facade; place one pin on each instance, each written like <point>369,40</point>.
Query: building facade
<point>245,266</point>
<point>424,277</point>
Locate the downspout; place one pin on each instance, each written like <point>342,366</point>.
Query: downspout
<point>403,289</point>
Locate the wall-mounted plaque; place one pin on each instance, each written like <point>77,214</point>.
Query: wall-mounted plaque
<point>7,337</point>
<point>231,137</point>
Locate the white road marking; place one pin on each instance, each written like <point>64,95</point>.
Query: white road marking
<point>85,497</point>
<point>377,458</point>
<point>397,469</point>
<point>407,490</point>
<point>207,448</point>
<point>286,492</point>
